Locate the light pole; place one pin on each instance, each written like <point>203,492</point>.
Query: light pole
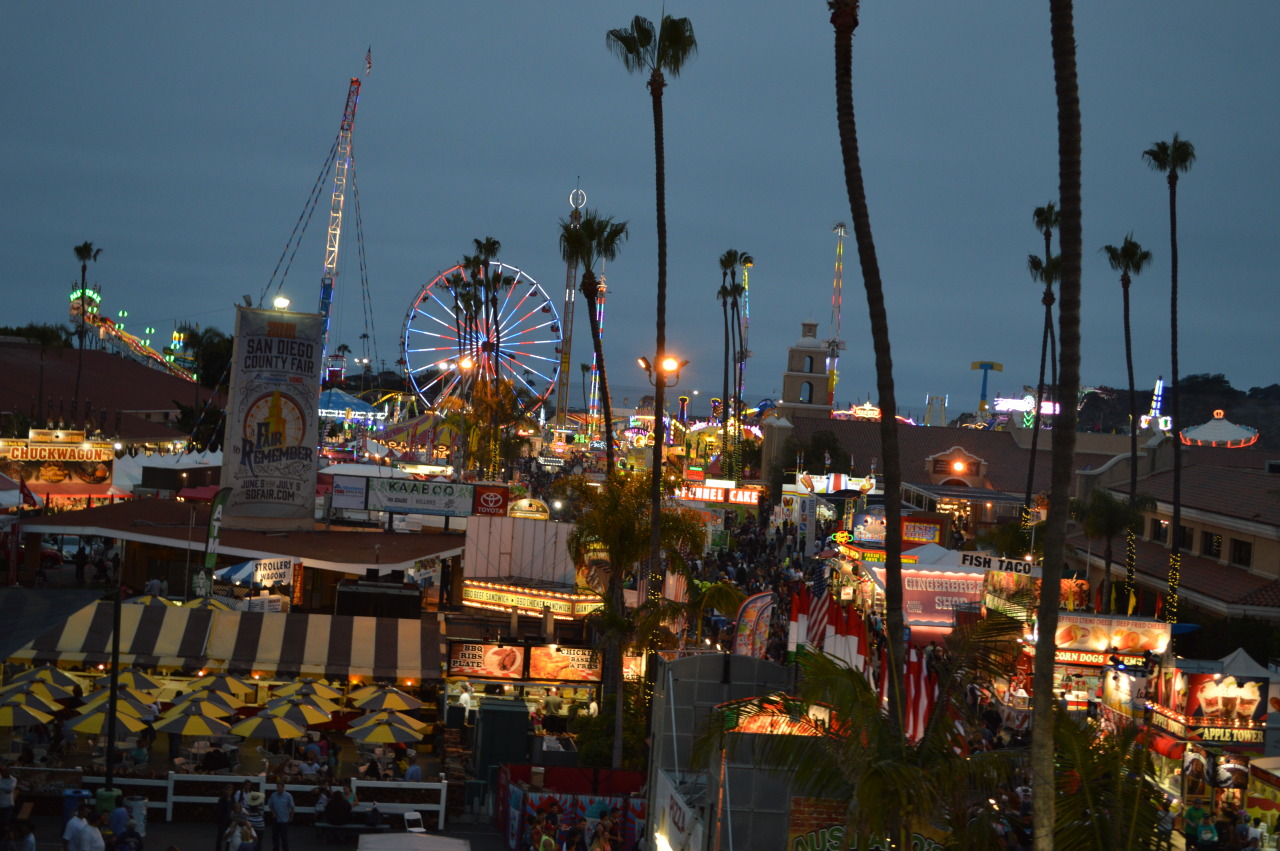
<point>665,374</point>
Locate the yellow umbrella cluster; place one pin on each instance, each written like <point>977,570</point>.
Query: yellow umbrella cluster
<point>48,674</point>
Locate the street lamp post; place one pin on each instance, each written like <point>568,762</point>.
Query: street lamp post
<point>665,374</point>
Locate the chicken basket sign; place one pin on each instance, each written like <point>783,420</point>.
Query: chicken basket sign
<point>272,419</point>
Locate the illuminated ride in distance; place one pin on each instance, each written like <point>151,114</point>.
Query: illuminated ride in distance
<point>517,340</point>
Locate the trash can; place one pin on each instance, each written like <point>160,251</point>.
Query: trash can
<point>71,801</point>
<point>108,799</point>
<point>137,807</point>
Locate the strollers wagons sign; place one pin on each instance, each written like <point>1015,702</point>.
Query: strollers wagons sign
<point>272,416</point>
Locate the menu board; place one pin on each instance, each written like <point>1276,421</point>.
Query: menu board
<point>489,661</point>
<point>1093,632</point>
<point>565,664</point>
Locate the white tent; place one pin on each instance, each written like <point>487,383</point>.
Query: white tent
<point>368,471</point>
<point>411,842</point>
<point>1240,664</point>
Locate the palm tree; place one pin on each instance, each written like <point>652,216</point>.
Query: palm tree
<point>659,52</point>
<point>1045,271</point>
<point>1129,259</point>
<point>1103,518</point>
<point>86,254</point>
<point>1067,88</point>
<point>595,237</point>
<point>728,261</point>
<point>1046,221</point>
<point>844,18</point>
<point>613,516</point>
<point>741,354</point>
<point>1171,158</point>
<point>585,369</point>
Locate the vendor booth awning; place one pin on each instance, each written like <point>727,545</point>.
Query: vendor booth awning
<point>322,645</point>
<point>80,490</point>
<point>237,573</point>
<point>150,636</point>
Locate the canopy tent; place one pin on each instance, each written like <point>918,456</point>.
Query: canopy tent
<point>322,645</point>
<point>237,574</point>
<point>368,471</point>
<point>1238,663</point>
<point>338,404</point>
<point>26,614</point>
<point>150,636</point>
<point>266,643</point>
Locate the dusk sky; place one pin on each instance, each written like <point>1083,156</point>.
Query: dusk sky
<point>183,140</point>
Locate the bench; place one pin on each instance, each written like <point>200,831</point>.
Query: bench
<point>329,832</point>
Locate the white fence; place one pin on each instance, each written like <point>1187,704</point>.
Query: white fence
<point>365,790</point>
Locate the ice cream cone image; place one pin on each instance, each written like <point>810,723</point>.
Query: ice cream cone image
<point>1248,696</point>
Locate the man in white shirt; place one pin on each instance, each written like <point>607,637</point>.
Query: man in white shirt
<point>8,786</point>
<point>75,824</point>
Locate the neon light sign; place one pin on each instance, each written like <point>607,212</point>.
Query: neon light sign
<point>1157,397</point>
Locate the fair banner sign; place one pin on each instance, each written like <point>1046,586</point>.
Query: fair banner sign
<point>1000,565</point>
<point>272,419</point>
<point>410,496</point>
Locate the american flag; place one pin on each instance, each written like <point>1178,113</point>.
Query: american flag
<point>368,60</point>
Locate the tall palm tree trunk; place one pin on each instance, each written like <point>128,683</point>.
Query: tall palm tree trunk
<point>654,586</point>
<point>1130,554</point>
<point>1175,398</point>
<point>1035,433</point>
<point>844,18</point>
<point>1064,432</point>
<point>724,403</point>
<point>591,292</point>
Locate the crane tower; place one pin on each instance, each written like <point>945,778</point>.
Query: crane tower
<point>835,344</point>
<point>342,164</point>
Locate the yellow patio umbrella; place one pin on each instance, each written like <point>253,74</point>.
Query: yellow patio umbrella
<point>45,689</point>
<point>363,692</point>
<point>95,722</point>
<point>100,697</point>
<point>152,600</point>
<point>29,697</point>
<point>193,724</point>
<point>48,674</point>
<point>384,733</point>
<point>393,717</point>
<point>206,603</point>
<point>18,715</point>
<point>388,698</point>
<point>313,700</point>
<point>199,706</point>
<point>264,726</point>
<point>307,685</point>
<point>298,711</point>
<point>224,683</point>
<point>220,697</point>
<point>130,677</point>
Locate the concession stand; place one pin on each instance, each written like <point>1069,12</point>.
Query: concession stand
<point>522,672</point>
<point>1214,727</point>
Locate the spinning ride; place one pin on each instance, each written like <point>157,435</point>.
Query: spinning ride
<point>501,325</point>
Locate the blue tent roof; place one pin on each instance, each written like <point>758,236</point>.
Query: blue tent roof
<point>242,572</point>
<point>338,400</point>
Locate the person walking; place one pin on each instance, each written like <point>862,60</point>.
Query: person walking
<point>8,791</point>
<point>281,806</point>
<point>253,812</point>
<point>224,811</point>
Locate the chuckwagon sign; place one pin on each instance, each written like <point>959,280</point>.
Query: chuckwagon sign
<point>54,456</point>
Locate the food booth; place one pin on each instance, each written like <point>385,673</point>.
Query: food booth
<point>1209,722</point>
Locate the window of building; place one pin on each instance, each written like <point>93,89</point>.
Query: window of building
<point>1210,545</point>
<point>808,363</point>
<point>1241,552</point>
<point>1187,540</point>
<point>806,392</point>
<point>1159,530</point>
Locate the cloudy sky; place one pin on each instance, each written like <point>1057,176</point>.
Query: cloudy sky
<point>184,139</point>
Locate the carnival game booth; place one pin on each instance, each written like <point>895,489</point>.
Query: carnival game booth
<point>1210,720</point>
<point>935,586</point>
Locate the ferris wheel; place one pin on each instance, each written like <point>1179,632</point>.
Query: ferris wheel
<point>450,335</point>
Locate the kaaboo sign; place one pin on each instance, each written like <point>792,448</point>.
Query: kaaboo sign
<point>409,496</point>
<point>491,500</point>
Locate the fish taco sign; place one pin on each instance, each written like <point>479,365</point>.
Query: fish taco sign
<point>272,419</point>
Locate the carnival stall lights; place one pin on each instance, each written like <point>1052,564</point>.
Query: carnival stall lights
<point>530,601</point>
<point>1088,644</point>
